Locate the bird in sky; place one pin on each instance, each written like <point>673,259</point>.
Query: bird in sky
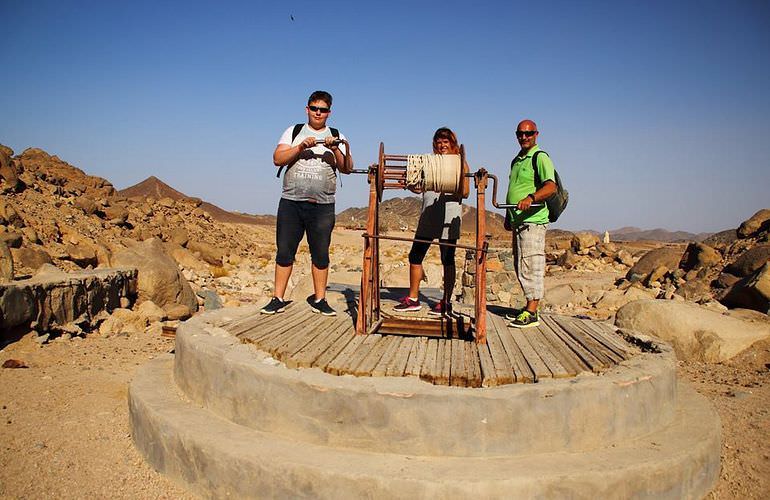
<point>292,17</point>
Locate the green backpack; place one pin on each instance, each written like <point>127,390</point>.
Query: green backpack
<point>558,201</point>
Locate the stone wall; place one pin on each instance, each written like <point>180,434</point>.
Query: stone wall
<point>502,285</point>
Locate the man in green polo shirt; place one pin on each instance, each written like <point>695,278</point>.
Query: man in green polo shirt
<point>529,222</point>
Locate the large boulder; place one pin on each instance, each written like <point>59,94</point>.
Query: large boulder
<point>31,257</point>
<point>564,294</point>
<point>750,260</point>
<point>52,298</point>
<point>752,292</point>
<point>696,333</point>
<point>625,257</point>
<point>613,299</point>
<point>699,255</point>
<point>567,260</point>
<point>211,254</point>
<point>116,214</point>
<point>178,235</point>
<point>12,239</point>
<point>83,254</point>
<point>9,174</point>
<point>87,205</point>
<point>757,223</point>
<point>159,277</point>
<point>583,242</point>
<point>9,215</point>
<point>150,312</point>
<point>186,258</point>
<point>668,257</point>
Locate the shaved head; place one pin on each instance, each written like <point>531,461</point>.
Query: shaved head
<point>527,125</point>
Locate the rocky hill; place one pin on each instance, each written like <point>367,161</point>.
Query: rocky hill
<point>54,213</point>
<point>402,214</point>
<point>152,187</point>
<point>658,234</point>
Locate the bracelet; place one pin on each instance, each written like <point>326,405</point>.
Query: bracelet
<point>532,195</point>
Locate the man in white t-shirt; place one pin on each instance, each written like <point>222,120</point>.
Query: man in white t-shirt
<point>312,156</point>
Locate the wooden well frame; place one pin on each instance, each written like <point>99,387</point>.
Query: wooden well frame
<point>390,173</point>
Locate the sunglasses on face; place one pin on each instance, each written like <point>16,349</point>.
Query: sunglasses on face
<point>525,133</point>
<point>315,109</point>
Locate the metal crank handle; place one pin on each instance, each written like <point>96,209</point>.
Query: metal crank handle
<point>320,142</point>
<point>504,205</point>
<point>516,206</point>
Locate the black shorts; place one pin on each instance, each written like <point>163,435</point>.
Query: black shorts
<point>419,249</point>
<point>297,218</point>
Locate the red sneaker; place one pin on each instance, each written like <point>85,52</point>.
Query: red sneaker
<point>407,304</point>
<point>441,308</point>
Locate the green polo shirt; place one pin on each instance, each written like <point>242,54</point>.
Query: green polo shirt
<point>521,182</point>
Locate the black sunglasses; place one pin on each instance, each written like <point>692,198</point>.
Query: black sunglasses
<point>525,133</point>
<point>318,108</point>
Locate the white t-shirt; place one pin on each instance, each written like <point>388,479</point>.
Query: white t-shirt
<point>311,177</point>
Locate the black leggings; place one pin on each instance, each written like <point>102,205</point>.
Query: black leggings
<point>296,218</point>
<point>419,249</point>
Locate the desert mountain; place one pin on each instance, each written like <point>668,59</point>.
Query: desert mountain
<point>636,234</point>
<point>156,188</point>
<point>403,214</point>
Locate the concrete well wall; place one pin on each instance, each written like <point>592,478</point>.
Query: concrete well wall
<point>408,416</point>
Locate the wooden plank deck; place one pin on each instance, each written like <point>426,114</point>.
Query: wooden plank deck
<point>560,347</point>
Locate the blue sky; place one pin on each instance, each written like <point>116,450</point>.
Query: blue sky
<point>656,114</point>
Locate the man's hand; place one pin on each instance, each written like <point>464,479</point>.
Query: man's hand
<point>309,142</point>
<point>331,143</point>
<point>524,203</point>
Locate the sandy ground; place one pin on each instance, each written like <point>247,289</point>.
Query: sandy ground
<point>64,420</point>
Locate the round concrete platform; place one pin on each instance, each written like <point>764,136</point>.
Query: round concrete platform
<point>406,415</point>
<point>230,420</point>
<point>220,459</point>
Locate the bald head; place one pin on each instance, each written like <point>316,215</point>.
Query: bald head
<point>527,125</point>
<point>526,133</point>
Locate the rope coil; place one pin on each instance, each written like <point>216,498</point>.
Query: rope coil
<point>438,173</point>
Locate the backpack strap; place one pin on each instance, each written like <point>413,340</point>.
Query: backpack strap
<point>538,181</point>
<point>294,133</point>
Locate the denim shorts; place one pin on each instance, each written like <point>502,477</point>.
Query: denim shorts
<point>297,218</point>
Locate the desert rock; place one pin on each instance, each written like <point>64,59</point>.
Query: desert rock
<point>31,257</point>
<point>6,263</point>
<point>751,260</point>
<point>758,222</point>
<point>47,300</point>
<point>698,255</point>
<point>752,292</point>
<point>696,333</point>
<point>583,242</point>
<point>668,257</point>
<point>159,278</point>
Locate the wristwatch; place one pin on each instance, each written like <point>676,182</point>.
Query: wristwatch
<point>532,195</point>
